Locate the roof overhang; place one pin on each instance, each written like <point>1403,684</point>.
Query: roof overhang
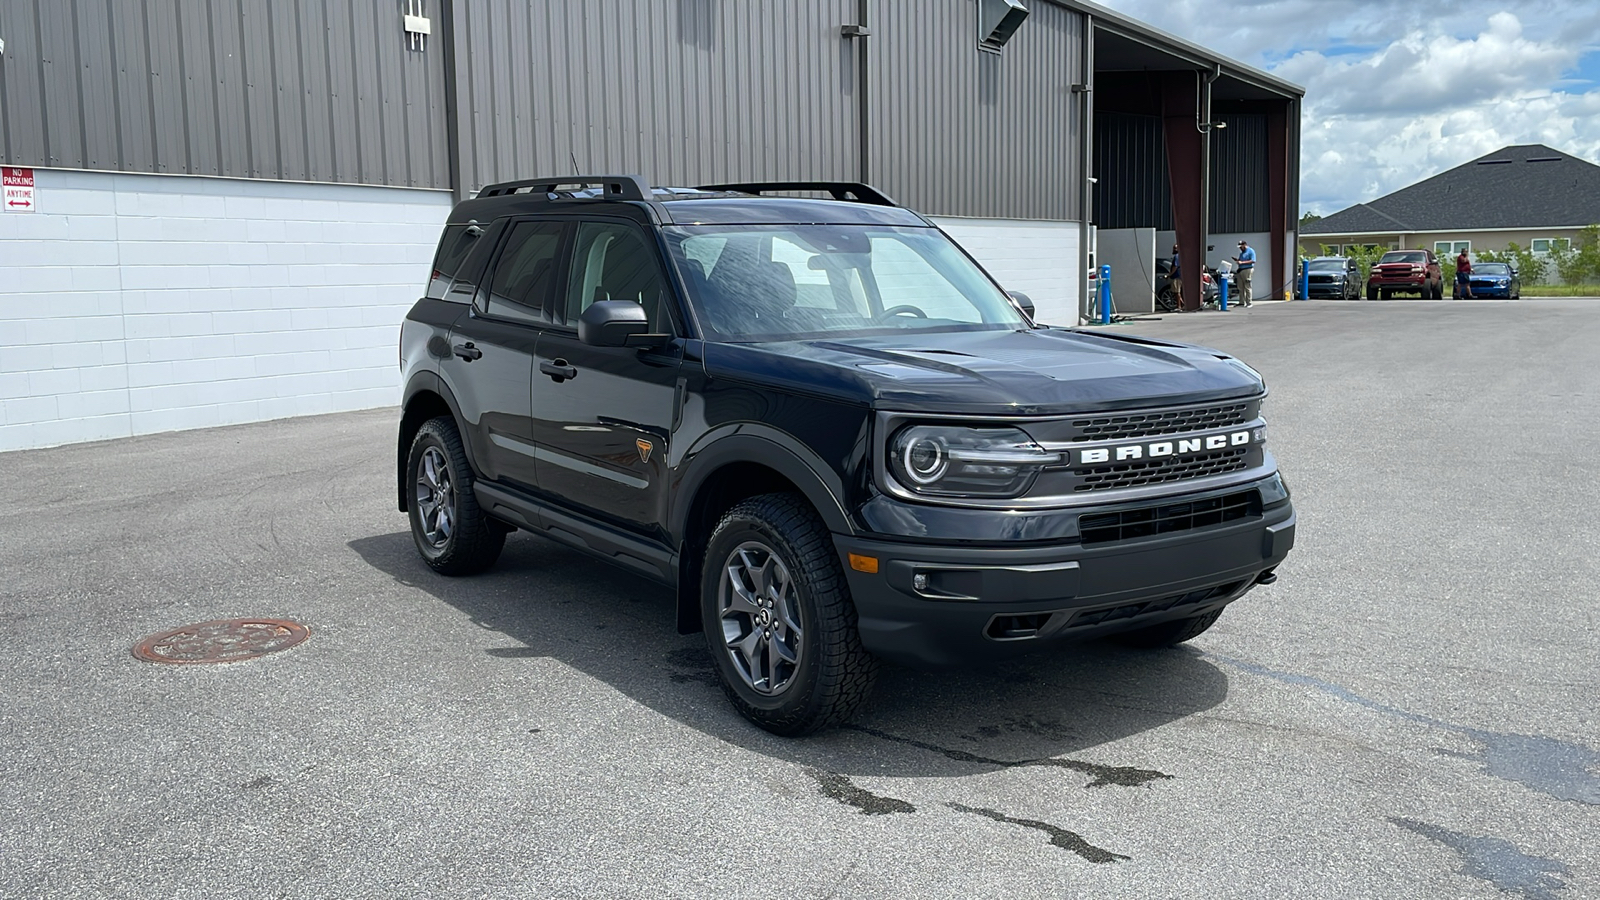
<point>1126,44</point>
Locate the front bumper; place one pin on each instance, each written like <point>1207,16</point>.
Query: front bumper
<point>987,603</point>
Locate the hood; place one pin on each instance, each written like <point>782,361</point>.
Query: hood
<point>1044,371</point>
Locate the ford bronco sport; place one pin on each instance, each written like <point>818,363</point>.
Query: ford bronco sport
<point>827,427</point>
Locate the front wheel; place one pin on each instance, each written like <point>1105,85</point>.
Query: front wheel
<point>779,620</point>
<point>1372,293</point>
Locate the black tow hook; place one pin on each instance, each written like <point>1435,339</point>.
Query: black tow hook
<point>1267,577</point>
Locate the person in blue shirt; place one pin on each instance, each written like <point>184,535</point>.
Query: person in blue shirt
<point>1177,280</point>
<point>1247,267</point>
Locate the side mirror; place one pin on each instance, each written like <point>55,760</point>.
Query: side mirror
<point>1023,302</point>
<point>609,323</point>
<point>617,323</point>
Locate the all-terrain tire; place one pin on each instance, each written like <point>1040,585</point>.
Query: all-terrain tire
<point>833,674</point>
<point>1170,634</point>
<point>464,541</point>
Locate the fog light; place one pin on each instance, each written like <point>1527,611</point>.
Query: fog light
<point>919,581</point>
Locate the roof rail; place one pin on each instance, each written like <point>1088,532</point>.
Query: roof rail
<point>840,190</point>
<point>614,187</point>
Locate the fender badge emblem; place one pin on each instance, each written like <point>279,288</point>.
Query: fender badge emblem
<point>644,449</point>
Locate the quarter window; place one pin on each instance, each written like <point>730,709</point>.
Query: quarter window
<point>526,270</point>
<point>453,247</point>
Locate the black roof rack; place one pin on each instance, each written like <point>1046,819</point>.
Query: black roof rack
<point>613,187</point>
<point>839,190</point>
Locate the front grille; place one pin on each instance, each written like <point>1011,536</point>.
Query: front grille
<point>1158,471</point>
<point>1154,424</point>
<point>1132,610</point>
<point>1320,279</point>
<point>1150,521</point>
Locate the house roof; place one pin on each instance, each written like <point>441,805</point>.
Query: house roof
<point>1521,186</point>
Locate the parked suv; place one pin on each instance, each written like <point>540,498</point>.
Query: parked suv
<point>1333,276</point>
<point>827,427</point>
<point>1409,271</point>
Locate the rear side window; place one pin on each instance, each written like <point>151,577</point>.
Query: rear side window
<point>526,271</point>
<point>454,244</point>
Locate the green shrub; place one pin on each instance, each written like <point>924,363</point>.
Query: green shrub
<point>1530,268</point>
<point>1579,262</point>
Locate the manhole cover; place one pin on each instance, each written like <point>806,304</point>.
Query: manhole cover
<point>224,640</point>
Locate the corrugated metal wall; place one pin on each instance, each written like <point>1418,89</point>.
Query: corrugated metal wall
<point>681,91</point>
<point>314,90</point>
<point>956,131</point>
<point>1239,175</point>
<point>1130,163</point>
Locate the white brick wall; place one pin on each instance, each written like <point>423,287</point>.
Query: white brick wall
<point>1039,259</point>
<point>131,304</point>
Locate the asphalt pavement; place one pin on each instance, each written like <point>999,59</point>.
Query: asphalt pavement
<point>1411,711</point>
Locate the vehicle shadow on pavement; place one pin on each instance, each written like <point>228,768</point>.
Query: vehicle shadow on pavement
<point>553,602</point>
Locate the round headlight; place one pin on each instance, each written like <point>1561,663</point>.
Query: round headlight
<point>925,459</point>
<point>960,461</point>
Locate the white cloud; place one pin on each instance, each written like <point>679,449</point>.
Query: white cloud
<point>1396,93</point>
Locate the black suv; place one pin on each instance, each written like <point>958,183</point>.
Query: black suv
<point>827,427</point>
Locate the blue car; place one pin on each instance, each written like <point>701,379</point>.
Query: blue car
<point>1495,280</point>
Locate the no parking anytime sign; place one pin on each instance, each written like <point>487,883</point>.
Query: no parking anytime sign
<point>19,189</point>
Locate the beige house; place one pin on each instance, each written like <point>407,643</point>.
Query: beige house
<point>1529,194</point>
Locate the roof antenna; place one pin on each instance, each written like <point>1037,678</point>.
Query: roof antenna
<point>574,162</point>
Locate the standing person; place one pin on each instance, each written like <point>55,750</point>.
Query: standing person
<point>1177,280</point>
<point>1463,276</point>
<point>1247,267</point>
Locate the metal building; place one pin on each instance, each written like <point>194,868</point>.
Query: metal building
<point>229,204</point>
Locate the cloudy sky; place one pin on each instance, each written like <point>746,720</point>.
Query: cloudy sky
<point>1399,91</point>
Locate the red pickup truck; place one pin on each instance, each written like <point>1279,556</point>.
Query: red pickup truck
<point>1411,271</point>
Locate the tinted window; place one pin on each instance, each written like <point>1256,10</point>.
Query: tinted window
<point>615,262</point>
<point>1411,256</point>
<point>453,247</point>
<point>1327,265</point>
<point>526,270</point>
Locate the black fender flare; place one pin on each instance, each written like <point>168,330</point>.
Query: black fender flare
<point>745,443</point>
<point>427,381</point>
<point>765,446</point>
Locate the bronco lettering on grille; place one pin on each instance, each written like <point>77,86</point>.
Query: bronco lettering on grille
<point>1159,449</point>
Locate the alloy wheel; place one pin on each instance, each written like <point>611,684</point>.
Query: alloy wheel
<point>436,497</point>
<point>760,616</point>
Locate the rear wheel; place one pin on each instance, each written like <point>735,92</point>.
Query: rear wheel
<point>449,528</point>
<point>1169,634</point>
<point>1166,301</point>
<point>779,620</point>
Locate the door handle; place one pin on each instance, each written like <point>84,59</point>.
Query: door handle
<point>559,370</point>
<point>468,352</point>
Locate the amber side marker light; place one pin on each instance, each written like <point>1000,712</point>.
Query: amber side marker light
<point>867,564</point>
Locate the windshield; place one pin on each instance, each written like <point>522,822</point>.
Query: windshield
<point>1414,257</point>
<point>782,282</point>
<point>1492,269</point>
<point>1327,265</point>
